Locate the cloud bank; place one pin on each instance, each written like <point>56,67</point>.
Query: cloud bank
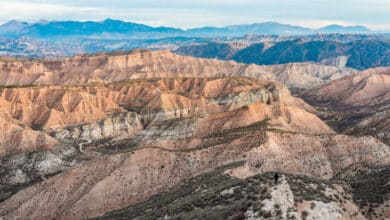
<point>195,13</point>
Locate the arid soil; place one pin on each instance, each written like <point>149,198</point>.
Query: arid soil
<point>141,129</point>
<point>357,104</point>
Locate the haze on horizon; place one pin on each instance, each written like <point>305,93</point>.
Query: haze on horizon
<point>373,14</point>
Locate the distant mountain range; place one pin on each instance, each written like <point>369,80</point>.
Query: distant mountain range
<point>47,29</point>
<point>358,54</point>
<point>260,43</point>
<point>257,28</point>
<point>343,29</point>
<point>120,29</point>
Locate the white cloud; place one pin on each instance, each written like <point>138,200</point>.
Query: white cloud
<point>194,13</point>
<point>36,11</point>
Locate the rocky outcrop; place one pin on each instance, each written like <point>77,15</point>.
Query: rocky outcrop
<point>132,178</point>
<point>48,107</point>
<point>156,165</point>
<point>18,171</point>
<point>306,75</point>
<point>55,107</point>
<point>216,196</point>
<point>100,68</point>
<point>321,156</point>
<point>118,67</point>
<point>356,104</point>
<point>121,124</point>
<point>365,88</point>
<point>96,112</point>
<point>16,139</point>
<point>340,61</point>
<point>164,132</point>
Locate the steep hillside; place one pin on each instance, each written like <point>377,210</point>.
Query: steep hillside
<point>16,138</point>
<point>358,54</point>
<point>356,104</point>
<point>306,75</point>
<point>135,131</point>
<point>218,196</point>
<point>187,45</point>
<point>167,131</point>
<point>120,66</point>
<point>215,195</point>
<point>63,29</point>
<point>223,51</point>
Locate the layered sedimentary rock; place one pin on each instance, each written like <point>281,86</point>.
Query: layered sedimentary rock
<point>321,156</point>
<point>86,135</point>
<point>118,67</point>
<point>113,126</point>
<point>46,107</point>
<point>360,89</point>
<point>15,139</point>
<point>132,177</point>
<point>158,64</point>
<point>168,130</point>
<point>356,104</point>
<point>59,106</point>
<point>307,75</point>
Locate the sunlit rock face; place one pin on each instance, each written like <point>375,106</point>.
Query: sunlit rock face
<point>357,104</point>
<point>142,64</point>
<point>98,140</point>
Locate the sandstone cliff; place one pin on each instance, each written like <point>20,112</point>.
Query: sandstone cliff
<point>360,89</point>
<point>306,75</point>
<point>142,64</point>
<point>16,139</point>
<point>356,104</point>
<point>86,135</point>
<point>169,130</point>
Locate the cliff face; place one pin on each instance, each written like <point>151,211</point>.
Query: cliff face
<point>356,104</point>
<point>118,67</point>
<point>58,106</point>
<point>361,89</point>
<point>46,107</point>
<point>158,64</point>
<point>166,131</point>
<point>306,75</point>
<point>134,177</point>
<point>112,131</point>
<point>16,139</point>
<point>116,125</point>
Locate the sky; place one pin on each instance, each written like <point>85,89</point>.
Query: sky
<point>374,14</point>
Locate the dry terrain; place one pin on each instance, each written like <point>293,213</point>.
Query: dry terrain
<point>154,135</point>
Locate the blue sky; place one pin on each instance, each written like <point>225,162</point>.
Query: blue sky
<point>374,14</point>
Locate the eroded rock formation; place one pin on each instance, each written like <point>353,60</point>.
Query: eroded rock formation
<point>357,104</point>
<point>166,131</point>
<point>143,64</point>
<point>97,133</point>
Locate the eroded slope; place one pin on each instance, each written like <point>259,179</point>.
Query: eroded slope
<point>163,132</point>
<point>356,104</point>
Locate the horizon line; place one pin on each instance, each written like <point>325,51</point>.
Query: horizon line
<point>185,29</point>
